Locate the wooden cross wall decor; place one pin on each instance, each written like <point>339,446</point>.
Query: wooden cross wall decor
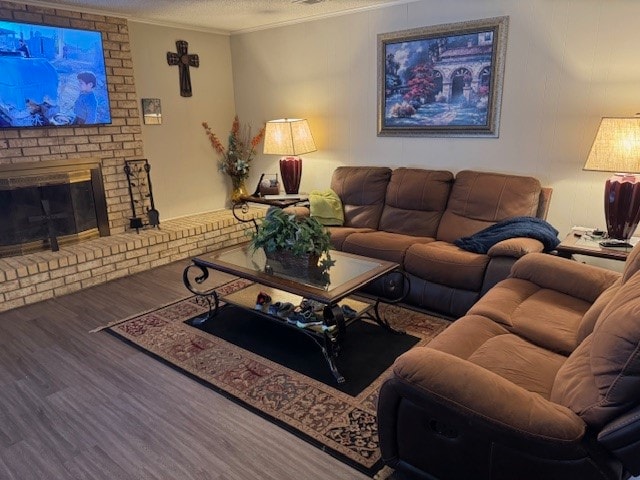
<point>184,60</point>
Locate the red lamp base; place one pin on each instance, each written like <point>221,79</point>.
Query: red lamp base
<point>291,172</point>
<point>622,205</point>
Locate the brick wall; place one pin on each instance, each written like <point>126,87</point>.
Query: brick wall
<point>43,275</point>
<point>112,143</point>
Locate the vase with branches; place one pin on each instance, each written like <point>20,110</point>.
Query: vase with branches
<point>235,159</point>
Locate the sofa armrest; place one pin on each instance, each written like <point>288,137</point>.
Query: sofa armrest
<point>515,247</point>
<point>299,211</point>
<point>622,438</point>
<point>580,280</point>
<point>477,392</point>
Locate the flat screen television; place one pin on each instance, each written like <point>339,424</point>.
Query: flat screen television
<point>51,76</point>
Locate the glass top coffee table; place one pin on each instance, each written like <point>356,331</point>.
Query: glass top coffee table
<point>329,289</point>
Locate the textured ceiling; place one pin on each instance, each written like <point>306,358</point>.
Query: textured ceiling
<point>226,16</point>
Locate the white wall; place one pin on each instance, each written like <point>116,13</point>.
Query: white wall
<point>569,62</point>
<point>184,168</point>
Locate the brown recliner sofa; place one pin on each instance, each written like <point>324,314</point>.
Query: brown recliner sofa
<point>540,380</point>
<point>412,216</point>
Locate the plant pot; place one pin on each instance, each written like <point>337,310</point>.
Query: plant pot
<point>290,263</point>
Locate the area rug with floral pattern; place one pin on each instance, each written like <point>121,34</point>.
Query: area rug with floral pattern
<point>282,388</point>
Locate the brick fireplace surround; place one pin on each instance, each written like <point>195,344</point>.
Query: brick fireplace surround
<point>38,276</point>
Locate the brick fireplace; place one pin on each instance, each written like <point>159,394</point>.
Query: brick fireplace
<point>43,275</point>
<point>110,144</point>
<point>46,204</point>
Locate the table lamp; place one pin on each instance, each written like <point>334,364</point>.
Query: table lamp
<point>616,148</point>
<point>289,137</point>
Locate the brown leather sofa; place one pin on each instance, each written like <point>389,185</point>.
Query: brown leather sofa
<point>540,380</point>
<point>411,216</point>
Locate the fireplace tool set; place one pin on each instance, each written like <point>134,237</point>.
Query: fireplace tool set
<point>141,195</point>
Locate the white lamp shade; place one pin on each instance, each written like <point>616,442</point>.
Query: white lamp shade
<point>616,147</point>
<point>288,136</point>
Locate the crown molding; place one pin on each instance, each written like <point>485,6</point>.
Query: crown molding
<point>197,28</point>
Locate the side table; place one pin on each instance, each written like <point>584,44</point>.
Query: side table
<point>283,201</point>
<point>280,201</point>
<point>586,245</point>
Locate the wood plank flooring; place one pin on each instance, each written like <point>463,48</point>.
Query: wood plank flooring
<point>81,405</point>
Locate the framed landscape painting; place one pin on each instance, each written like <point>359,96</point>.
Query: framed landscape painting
<point>444,80</point>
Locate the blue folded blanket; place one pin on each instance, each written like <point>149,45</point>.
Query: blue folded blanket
<point>530,227</point>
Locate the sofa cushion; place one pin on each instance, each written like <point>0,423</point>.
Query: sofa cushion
<point>339,234</point>
<point>480,199</point>
<point>601,378</point>
<point>362,191</point>
<point>464,336</point>
<point>490,345</point>
<point>545,317</point>
<point>589,319</point>
<point>415,201</point>
<point>382,245</point>
<point>521,362</point>
<point>550,319</point>
<point>444,263</point>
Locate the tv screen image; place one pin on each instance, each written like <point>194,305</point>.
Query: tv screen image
<point>51,76</point>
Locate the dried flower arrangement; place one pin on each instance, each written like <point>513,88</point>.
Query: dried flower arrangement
<point>236,159</point>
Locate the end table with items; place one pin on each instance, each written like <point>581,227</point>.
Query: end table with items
<point>585,244</point>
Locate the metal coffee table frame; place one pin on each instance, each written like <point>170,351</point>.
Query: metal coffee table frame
<point>240,262</point>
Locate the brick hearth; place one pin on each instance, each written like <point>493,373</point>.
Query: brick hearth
<point>39,276</point>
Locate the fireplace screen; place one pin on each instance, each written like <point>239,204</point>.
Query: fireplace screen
<point>48,205</point>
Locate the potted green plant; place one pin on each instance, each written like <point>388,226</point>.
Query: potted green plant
<point>295,242</point>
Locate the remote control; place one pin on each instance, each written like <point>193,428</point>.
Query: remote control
<point>615,243</point>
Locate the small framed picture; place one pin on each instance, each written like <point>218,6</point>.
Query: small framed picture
<point>269,184</point>
<point>151,111</point>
